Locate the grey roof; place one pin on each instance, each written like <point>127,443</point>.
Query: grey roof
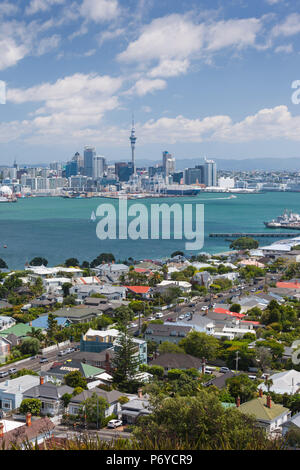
<point>76,312</point>
<point>110,397</point>
<point>177,361</point>
<point>4,304</point>
<point>48,390</point>
<point>294,421</point>
<point>220,382</point>
<point>137,404</point>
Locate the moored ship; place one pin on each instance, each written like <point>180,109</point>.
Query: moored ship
<point>288,219</point>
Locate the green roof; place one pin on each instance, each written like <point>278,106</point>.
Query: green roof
<point>20,329</point>
<point>90,371</point>
<point>258,408</point>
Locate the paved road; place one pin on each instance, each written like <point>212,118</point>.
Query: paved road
<point>104,434</point>
<point>34,364</point>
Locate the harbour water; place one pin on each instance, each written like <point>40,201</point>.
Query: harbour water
<point>58,228</point>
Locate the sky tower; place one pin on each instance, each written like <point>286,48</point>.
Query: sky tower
<point>132,139</point>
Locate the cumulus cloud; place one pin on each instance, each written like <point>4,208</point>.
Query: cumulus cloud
<point>289,27</point>
<point>100,10</point>
<point>36,6</point>
<point>170,68</point>
<point>11,53</point>
<point>144,86</point>
<point>178,38</point>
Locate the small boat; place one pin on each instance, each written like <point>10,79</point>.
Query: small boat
<point>93,216</point>
<point>5,246</point>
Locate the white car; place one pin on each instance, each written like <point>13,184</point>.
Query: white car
<point>204,308</point>
<point>181,317</point>
<point>133,325</point>
<point>114,423</point>
<point>158,315</point>
<point>150,319</point>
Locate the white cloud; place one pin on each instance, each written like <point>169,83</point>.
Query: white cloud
<point>81,123</point>
<point>100,10</point>
<point>289,27</point>
<point>287,49</point>
<point>144,86</point>
<point>109,35</point>
<point>36,6</point>
<point>170,68</point>
<point>7,9</point>
<point>11,53</point>
<point>178,38</point>
<point>48,44</point>
<point>273,2</point>
<point>171,37</point>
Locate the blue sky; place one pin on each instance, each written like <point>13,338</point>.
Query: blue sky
<point>203,78</point>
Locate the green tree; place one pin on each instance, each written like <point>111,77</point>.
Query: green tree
<point>200,345</point>
<point>102,258</point>
<point>244,243</point>
<point>30,346</point>
<point>235,308</point>
<point>125,362</point>
<point>21,372</point>
<point>75,379</point>
<point>202,422</point>
<point>71,262</point>
<point>93,410</point>
<point>241,386</point>
<point>31,405</point>
<point>38,261</point>
<point>168,347</point>
<point>66,398</point>
<point>3,264</point>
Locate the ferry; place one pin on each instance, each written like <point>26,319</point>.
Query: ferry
<point>288,219</point>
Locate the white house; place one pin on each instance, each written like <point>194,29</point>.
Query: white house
<point>284,382</point>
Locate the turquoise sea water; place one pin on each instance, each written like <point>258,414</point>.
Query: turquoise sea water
<point>58,228</point>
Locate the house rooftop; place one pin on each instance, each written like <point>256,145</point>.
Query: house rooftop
<point>258,407</point>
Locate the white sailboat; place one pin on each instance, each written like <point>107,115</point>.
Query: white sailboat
<point>93,216</point>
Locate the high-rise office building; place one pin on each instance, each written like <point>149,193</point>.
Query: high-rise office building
<point>71,168</point>
<point>80,162</point>
<point>168,163</point>
<point>194,175</point>
<point>210,173</point>
<point>124,171</point>
<point>98,166</point>
<point>89,154</point>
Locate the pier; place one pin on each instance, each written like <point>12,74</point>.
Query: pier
<point>255,235</point>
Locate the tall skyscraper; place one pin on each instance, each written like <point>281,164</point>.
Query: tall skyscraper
<point>168,163</point>
<point>89,153</point>
<point>79,160</point>
<point>210,173</point>
<point>132,139</point>
<point>98,166</point>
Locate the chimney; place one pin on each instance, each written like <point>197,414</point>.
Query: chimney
<point>41,380</point>
<point>260,391</point>
<point>268,401</point>
<point>1,429</point>
<point>140,393</point>
<point>28,419</point>
<point>238,402</point>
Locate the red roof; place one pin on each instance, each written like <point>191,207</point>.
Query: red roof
<point>138,289</point>
<point>249,321</point>
<point>224,311</point>
<point>142,270</point>
<point>288,285</point>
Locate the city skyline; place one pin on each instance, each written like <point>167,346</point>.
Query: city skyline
<point>206,79</point>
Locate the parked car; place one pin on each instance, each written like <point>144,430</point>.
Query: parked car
<point>12,370</point>
<point>62,353</point>
<point>252,377</point>
<point>224,370</point>
<point>159,315</point>
<point>114,423</point>
<point>181,317</point>
<point>205,307</point>
<point>44,359</point>
<point>150,318</point>
<point>3,374</point>
<point>133,325</point>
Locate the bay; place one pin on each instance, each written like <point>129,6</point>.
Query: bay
<point>58,228</point>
